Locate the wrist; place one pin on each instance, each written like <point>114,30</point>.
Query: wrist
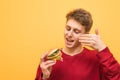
<point>101,48</point>
<point>44,77</point>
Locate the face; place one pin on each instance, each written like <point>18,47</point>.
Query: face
<point>72,32</point>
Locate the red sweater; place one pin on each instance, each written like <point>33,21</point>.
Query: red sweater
<point>88,65</point>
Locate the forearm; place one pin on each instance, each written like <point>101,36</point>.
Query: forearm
<point>109,66</point>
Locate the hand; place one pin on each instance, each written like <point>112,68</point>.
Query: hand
<point>92,40</point>
<point>46,66</point>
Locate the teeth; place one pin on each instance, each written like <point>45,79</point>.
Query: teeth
<point>70,40</point>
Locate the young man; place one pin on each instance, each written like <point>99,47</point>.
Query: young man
<point>80,63</point>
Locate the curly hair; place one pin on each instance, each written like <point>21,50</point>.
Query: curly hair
<point>81,16</point>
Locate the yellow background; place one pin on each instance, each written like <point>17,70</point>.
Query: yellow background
<point>30,27</point>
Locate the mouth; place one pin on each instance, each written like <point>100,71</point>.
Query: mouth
<point>69,41</point>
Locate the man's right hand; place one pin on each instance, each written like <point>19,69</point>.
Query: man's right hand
<point>46,66</point>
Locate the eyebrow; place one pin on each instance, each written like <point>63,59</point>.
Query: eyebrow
<point>68,25</point>
<point>74,28</point>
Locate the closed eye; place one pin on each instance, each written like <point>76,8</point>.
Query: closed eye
<point>68,28</point>
<point>77,31</point>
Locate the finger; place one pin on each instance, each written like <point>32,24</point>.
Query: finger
<point>87,41</point>
<point>85,35</point>
<point>86,44</point>
<point>49,65</point>
<point>84,39</point>
<point>45,65</point>
<point>96,31</point>
<point>49,62</point>
<point>43,56</point>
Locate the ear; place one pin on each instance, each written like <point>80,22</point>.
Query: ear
<point>96,31</point>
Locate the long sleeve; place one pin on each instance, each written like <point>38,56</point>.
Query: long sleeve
<point>38,74</point>
<point>109,67</point>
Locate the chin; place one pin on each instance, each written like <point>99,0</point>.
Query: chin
<point>70,46</point>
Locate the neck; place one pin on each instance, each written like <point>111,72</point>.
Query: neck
<point>73,51</point>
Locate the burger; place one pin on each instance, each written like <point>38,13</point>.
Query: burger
<point>54,54</point>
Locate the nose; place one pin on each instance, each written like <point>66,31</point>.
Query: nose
<point>70,33</point>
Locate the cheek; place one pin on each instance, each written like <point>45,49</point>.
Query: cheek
<point>76,37</point>
<point>65,32</point>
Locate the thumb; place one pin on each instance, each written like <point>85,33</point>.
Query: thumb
<point>96,31</point>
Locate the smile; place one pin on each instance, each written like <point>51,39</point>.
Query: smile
<point>69,40</point>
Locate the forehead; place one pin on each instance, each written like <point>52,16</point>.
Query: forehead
<point>74,24</point>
